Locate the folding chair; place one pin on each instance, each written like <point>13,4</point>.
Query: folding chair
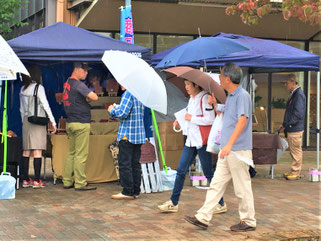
<point>151,177</point>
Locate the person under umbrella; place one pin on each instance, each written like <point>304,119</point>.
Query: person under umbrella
<point>197,114</point>
<point>131,135</point>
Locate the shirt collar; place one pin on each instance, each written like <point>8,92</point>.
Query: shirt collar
<point>199,95</point>
<point>294,90</point>
<point>237,90</point>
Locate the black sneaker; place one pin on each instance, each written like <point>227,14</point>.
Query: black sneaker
<point>69,187</point>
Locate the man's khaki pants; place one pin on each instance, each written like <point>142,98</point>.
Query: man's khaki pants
<point>230,168</point>
<point>295,147</point>
<point>78,135</point>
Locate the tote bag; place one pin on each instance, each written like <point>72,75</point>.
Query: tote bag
<point>205,130</point>
<point>36,113</point>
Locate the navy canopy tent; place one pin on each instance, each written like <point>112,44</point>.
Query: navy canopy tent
<point>54,48</point>
<point>263,56</point>
<point>64,42</point>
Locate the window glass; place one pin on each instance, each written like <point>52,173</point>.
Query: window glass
<point>168,41</point>
<point>107,34</point>
<point>145,40</point>
<point>315,47</point>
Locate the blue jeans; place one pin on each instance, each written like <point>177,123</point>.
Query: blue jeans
<point>187,157</point>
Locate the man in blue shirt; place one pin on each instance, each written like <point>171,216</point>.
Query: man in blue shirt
<point>131,135</point>
<point>236,148</point>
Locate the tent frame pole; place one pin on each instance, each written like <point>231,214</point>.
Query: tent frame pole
<point>318,120</point>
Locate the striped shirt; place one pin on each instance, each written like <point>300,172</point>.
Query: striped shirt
<point>131,115</point>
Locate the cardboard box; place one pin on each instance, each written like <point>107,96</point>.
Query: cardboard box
<point>172,142</point>
<point>165,127</point>
<point>171,158</point>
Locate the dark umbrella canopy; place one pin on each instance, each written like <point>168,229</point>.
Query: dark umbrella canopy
<point>201,49</point>
<point>177,75</point>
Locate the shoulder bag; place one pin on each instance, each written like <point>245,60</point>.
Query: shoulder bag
<point>205,130</point>
<point>36,113</point>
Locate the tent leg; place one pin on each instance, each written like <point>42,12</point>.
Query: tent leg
<point>318,120</point>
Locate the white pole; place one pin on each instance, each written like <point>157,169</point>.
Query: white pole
<point>318,119</point>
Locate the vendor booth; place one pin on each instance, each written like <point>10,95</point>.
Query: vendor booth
<point>54,49</point>
<point>263,56</point>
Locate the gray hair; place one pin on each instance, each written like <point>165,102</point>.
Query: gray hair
<point>292,78</point>
<point>233,71</point>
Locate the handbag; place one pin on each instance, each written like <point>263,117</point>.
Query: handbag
<point>205,130</point>
<point>36,113</point>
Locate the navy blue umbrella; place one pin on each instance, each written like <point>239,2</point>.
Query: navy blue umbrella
<point>199,50</point>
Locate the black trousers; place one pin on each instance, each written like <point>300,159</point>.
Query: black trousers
<point>129,167</point>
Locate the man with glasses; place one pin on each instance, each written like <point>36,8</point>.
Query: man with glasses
<point>235,149</point>
<point>293,125</point>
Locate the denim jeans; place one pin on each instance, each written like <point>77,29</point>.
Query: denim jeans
<point>187,157</point>
<point>129,167</point>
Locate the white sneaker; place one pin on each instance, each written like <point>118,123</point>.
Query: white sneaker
<point>220,209</point>
<point>168,207</point>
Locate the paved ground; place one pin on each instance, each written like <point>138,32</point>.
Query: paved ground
<point>285,210</point>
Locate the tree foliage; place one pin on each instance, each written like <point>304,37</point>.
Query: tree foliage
<point>8,14</point>
<point>252,10</point>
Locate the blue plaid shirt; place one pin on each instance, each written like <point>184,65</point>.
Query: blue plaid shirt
<point>131,115</point>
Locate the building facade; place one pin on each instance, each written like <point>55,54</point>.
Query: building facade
<point>162,24</point>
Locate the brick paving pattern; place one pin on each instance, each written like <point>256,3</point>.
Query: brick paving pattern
<point>285,210</point>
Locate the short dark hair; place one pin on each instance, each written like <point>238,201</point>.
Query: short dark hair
<point>233,71</point>
<point>197,85</point>
<point>292,78</point>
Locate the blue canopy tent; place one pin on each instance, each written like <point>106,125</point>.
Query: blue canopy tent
<point>64,42</point>
<point>54,48</point>
<point>264,56</point>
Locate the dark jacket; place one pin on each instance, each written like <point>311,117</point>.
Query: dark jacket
<point>295,112</point>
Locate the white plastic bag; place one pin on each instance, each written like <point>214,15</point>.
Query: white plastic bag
<point>285,145</point>
<point>168,179</point>
<point>7,186</point>
<point>214,138</point>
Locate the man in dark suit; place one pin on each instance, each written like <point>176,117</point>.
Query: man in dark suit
<point>293,125</point>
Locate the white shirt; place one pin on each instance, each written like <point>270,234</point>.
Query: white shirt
<point>24,101</point>
<point>191,128</point>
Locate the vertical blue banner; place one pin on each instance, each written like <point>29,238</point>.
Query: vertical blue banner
<point>126,25</point>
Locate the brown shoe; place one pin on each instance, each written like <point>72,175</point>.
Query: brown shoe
<point>121,196</point>
<point>293,177</point>
<point>242,227</point>
<point>85,188</point>
<point>136,196</point>
<point>194,221</point>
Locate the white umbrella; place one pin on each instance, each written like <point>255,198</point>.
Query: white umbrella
<point>10,64</point>
<point>138,78</point>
